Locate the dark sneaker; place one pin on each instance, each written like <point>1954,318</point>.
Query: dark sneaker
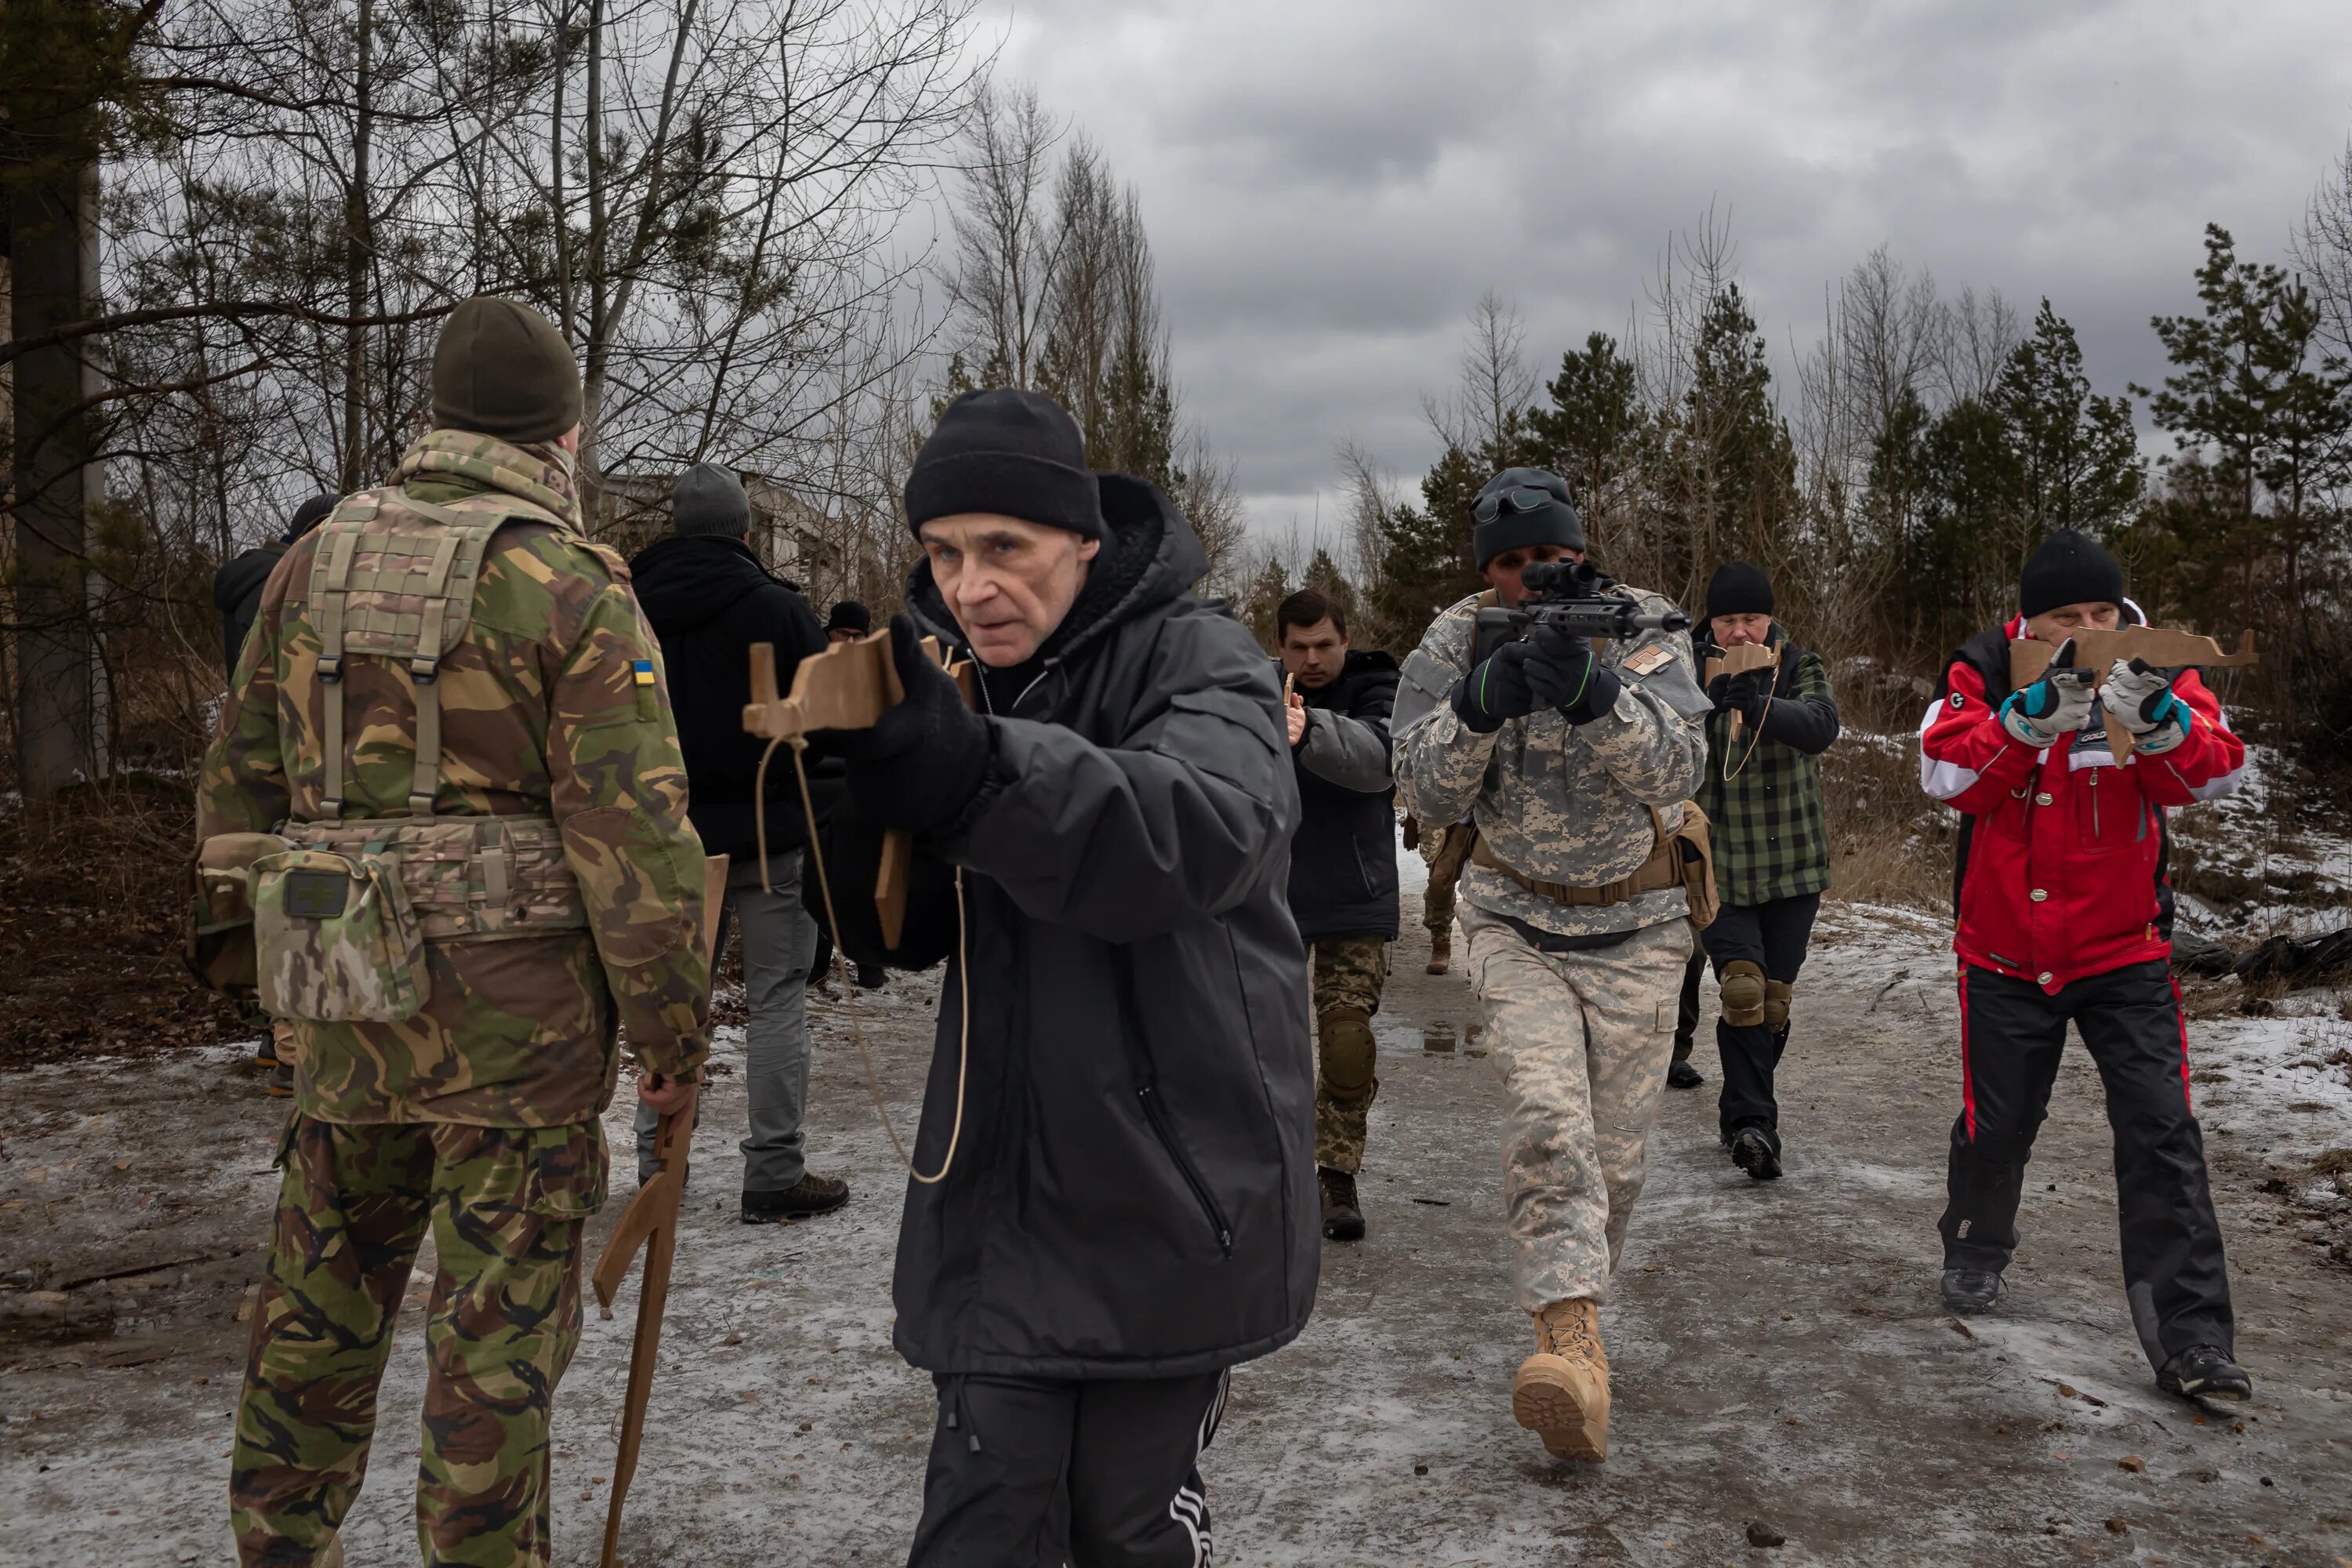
<point>872,977</point>
<point>280,1085</point>
<point>1752,1152</point>
<point>1342,1220</point>
<point>811,1194</point>
<point>1970,1290</point>
<point>1682,1074</point>
<point>265,1049</point>
<point>2205,1372</point>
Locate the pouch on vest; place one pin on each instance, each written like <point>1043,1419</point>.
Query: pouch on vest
<point>336,938</point>
<point>1694,844</point>
<point>219,945</point>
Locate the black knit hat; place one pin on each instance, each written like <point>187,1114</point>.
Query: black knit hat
<point>1738,589</point>
<point>849,615</point>
<point>2070,568</point>
<point>1552,522</point>
<point>501,369</point>
<point>707,498</point>
<point>308,515</point>
<point>1013,453</point>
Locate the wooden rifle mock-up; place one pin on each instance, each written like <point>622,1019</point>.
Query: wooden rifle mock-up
<point>2095,653</point>
<point>651,1222</point>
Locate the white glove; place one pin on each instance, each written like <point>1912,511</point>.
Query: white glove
<point>2057,705</point>
<point>2141,698</point>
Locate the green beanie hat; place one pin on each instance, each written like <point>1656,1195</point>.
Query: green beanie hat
<point>501,369</point>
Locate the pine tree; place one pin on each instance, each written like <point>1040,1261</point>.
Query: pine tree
<point>1266,595</point>
<point>2076,462</point>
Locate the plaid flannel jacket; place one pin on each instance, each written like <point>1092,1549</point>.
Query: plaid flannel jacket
<point>1771,839</point>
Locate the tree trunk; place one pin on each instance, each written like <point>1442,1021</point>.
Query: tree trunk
<point>357,249</point>
<point>52,218</point>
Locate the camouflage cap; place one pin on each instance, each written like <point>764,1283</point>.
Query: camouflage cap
<point>501,369</point>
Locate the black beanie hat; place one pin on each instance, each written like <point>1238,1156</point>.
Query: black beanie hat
<point>709,499</point>
<point>501,369</point>
<point>1013,453</point>
<point>2070,568</point>
<point>1556,524</point>
<point>1738,589</point>
<point>308,515</point>
<point>849,615</point>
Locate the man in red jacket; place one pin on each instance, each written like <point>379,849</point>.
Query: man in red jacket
<point>2066,912</point>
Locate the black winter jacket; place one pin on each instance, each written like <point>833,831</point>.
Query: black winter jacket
<point>709,600</point>
<point>1133,1194</point>
<point>1343,874</point>
<point>236,594</point>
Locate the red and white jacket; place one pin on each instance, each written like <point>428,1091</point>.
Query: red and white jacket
<point>2063,869</point>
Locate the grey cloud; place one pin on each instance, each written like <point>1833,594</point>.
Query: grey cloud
<point>1329,187</point>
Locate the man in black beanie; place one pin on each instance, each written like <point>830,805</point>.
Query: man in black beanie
<point>1114,1201</point>
<point>2063,914</point>
<point>1762,795</point>
<point>849,621</point>
<point>709,599</point>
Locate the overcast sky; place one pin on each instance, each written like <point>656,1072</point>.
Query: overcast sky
<point>1330,185</point>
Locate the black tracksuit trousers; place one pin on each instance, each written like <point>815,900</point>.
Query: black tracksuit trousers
<point>2012,1034</point>
<point>1043,1473</point>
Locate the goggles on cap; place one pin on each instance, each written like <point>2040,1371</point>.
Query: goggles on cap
<point>1525,497</point>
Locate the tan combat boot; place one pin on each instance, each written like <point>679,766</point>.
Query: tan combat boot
<point>1562,1394</point>
<point>1441,953</point>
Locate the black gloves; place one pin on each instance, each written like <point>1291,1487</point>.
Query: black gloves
<point>920,764</point>
<point>1547,668</point>
<point>1743,693</point>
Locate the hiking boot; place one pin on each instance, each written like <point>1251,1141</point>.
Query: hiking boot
<point>811,1194</point>
<point>279,1084</point>
<point>2206,1372</point>
<point>1752,1152</point>
<point>1342,1219</point>
<point>265,1049</point>
<point>1680,1074</point>
<point>872,977</point>
<point>1562,1394</point>
<point>1971,1290</point>
<point>1441,953</point>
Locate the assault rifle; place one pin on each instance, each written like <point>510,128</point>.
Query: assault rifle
<point>1574,596</point>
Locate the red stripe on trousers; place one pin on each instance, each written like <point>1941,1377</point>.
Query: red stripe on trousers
<point>1968,1082</point>
<point>2180,1016</point>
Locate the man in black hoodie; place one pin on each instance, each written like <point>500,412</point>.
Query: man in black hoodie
<point>1114,1195</point>
<point>1343,876</point>
<point>709,600</point>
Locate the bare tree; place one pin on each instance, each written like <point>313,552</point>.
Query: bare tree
<point>2323,247</point>
<point>1007,247</point>
<point>1494,385</point>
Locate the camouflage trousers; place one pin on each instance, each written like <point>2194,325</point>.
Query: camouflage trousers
<point>507,1207</point>
<point>1447,852</point>
<point>1349,974</point>
<point>1583,1040</point>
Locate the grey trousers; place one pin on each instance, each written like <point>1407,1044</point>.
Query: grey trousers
<point>779,943</point>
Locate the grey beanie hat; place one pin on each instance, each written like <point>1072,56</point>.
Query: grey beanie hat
<point>710,500</point>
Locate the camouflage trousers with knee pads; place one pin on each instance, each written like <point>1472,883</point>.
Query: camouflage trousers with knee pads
<point>1349,974</point>
<point>506,1207</point>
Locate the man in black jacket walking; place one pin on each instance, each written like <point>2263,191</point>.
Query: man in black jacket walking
<point>1114,1199</point>
<point>709,600</point>
<point>1343,877</point>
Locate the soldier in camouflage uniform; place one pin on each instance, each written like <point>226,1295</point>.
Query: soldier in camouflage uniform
<point>459,906</point>
<point>1573,762</point>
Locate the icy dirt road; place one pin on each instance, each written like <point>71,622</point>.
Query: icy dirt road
<point>1778,1357</point>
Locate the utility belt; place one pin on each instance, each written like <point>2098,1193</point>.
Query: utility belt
<point>1684,857</point>
<point>328,919</point>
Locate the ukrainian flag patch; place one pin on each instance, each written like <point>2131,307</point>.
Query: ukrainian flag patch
<point>641,671</point>
<point>645,671</point>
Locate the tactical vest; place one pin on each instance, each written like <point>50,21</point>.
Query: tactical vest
<point>342,915</point>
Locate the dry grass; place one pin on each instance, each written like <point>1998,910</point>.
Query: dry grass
<point>1889,844</point>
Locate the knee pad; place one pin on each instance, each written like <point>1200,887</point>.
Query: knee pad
<point>1742,988</point>
<point>1348,1052</point>
<point>1776,1001</point>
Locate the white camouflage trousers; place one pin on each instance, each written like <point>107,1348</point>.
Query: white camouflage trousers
<point>1583,1040</point>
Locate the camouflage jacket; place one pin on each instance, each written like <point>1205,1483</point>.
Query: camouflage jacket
<point>546,712</point>
<point>1557,802</point>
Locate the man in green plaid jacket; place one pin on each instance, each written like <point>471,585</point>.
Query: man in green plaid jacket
<point>1762,792</point>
